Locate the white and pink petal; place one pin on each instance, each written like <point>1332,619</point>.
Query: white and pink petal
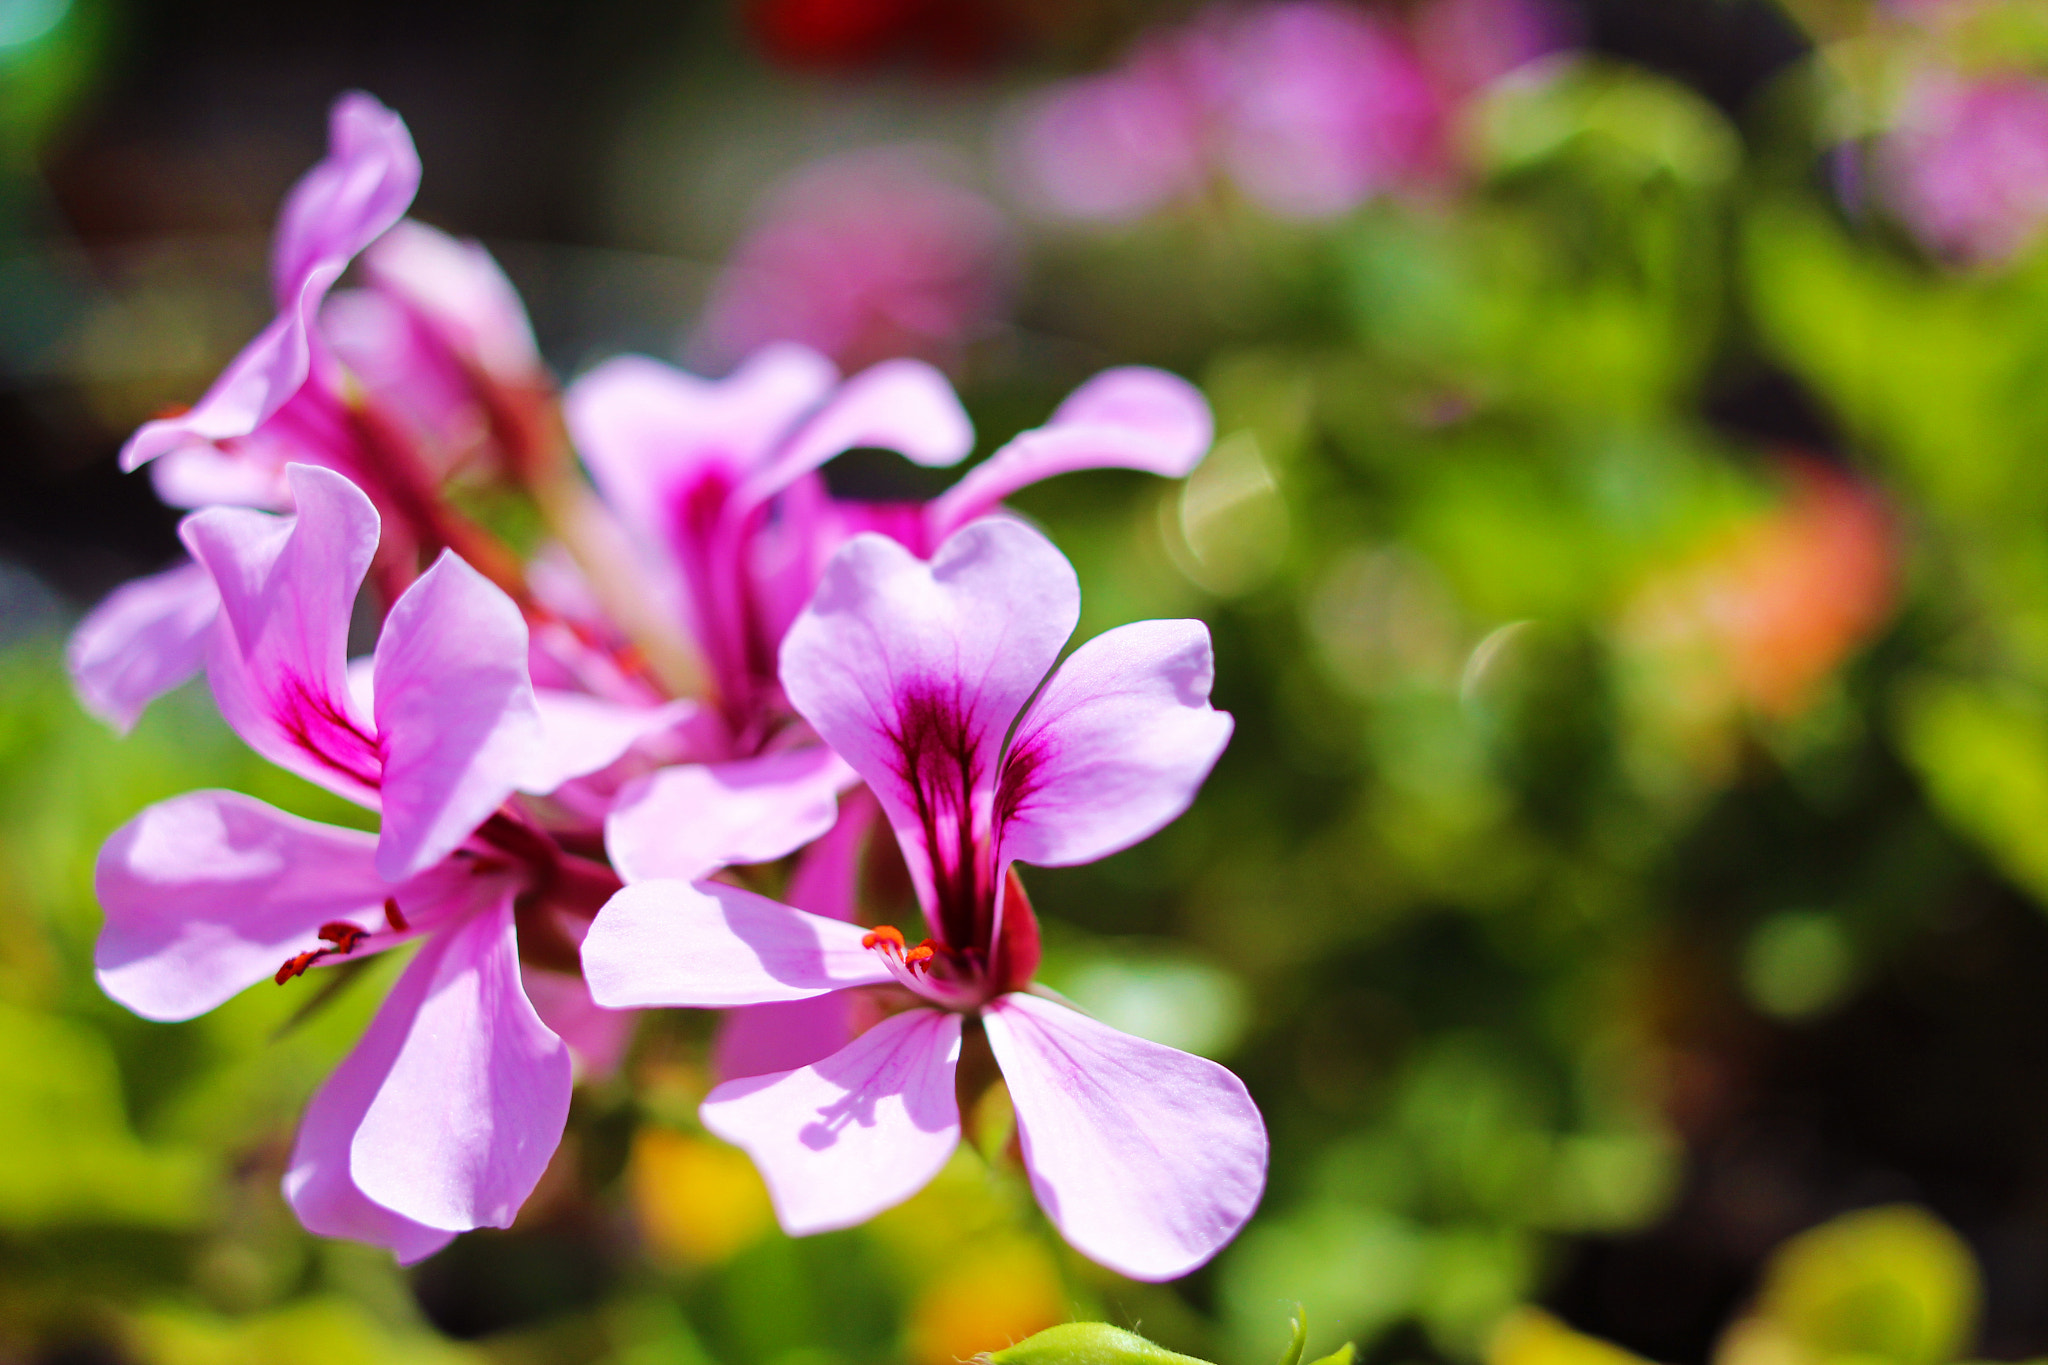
<point>685,822</point>
<point>709,945</point>
<point>913,671</point>
<point>147,636</point>
<point>287,588</point>
<point>842,1139</point>
<point>211,892</point>
<point>467,1089</point>
<point>1114,748</point>
<point>1147,1159</point>
<point>1132,417</point>
<point>457,724</point>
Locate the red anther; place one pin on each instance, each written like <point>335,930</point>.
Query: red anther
<point>392,916</point>
<point>170,410</point>
<point>922,953</point>
<point>299,964</point>
<point>343,935</point>
<point>883,935</point>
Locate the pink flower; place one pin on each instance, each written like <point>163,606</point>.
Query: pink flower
<point>1327,108</point>
<point>864,256</point>
<point>1467,45</point>
<point>1149,1160</point>
<point>342,205</point>
<point>1311,106</point>
<point>1967,167</point>
<point>447,1111</point>
<point>719,479</point>
<point>396,385</point>
<point>1124,143</point>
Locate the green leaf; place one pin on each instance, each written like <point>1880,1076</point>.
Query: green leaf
<point>1090,1343</point>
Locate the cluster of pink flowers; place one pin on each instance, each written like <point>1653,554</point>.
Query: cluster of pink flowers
<point>721,663</point>
<point>1310,107</point>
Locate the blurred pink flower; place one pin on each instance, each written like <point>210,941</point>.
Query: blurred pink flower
<point>1147,1159</point>
<point>863,257</point>
<point>1311,107</point>
<point>1469,44</point>
<point>1326,108</point>
<point>1124,143</point>
<point>1967,165</point>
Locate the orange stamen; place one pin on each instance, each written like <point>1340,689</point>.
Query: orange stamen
<point>923,952</point>
<point>882,934</point>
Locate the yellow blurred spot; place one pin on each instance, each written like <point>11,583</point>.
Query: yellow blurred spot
<point>1530,1336</point>
<point>699,1201</point>
<point>994,1293</point>
<point>1885,1286</point>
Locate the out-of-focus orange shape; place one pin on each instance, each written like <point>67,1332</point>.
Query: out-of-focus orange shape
<point>1787,596</point>
<point>1805,587</point>
<point>699,1202</point>
<point>992,1293</point>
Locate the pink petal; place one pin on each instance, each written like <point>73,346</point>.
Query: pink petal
<point>205,475</point>
<point>581,734</point>
<point>455,713</point>
<point>145,638</point>
<point>1114,748</point>
<point>317,1183</point>
<point>859,1132</point>
<point>287,586</point>
<point>208,893</point>
<point>710,945</point>
<point>470,1090</point>
<point>458,289</point>
<point>597,1037</point>
<point>350,199</point>
<point>645,429</point>
<point>914,671</point>
<point>1148,1160</point>
<point>1133,417</point>
<point>901,405</point>
<point>754,1040</point>
<point>686,822</point>
<point>361,188</point>
<point>425,392</point>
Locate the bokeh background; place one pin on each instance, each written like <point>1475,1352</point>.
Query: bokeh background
<point>1627,548</point>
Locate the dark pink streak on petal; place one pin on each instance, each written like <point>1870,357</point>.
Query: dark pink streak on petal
<point>937,759</point>
<point>320,725</point>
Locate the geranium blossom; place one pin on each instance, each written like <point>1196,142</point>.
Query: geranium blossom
<point>935,681</point>
<point>1310,107</point>
<point>868,255</point>
<point>719,479</point>
<point>445,1114</point>
<point>430,367</point>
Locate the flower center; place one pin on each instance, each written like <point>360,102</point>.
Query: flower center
<point>889,940</point>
